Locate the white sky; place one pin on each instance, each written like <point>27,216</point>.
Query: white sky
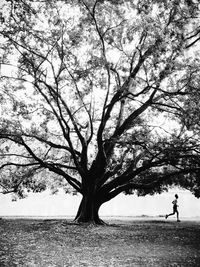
<point>44,204</point>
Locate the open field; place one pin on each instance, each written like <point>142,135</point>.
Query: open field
<point>59,243</point>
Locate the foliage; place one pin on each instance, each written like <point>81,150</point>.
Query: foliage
<point>102,94</point>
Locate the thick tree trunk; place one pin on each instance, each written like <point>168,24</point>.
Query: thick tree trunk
<point>88,211</point>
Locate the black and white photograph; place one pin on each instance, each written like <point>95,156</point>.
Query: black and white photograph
<point>99,133</point>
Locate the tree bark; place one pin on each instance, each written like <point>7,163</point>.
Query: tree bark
<point>88,211</point>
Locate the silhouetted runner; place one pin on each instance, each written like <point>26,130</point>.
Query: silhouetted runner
<point>175,208</point>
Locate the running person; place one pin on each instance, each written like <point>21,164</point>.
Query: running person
<point>175,208</point>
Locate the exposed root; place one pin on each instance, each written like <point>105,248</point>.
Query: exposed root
<point>89,222</point>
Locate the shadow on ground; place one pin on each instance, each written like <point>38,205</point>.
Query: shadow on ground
<point>61,243</point>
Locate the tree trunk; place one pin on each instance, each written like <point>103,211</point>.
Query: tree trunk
<point>88,211</point>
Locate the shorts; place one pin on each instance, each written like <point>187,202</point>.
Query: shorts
<point>175,208</point>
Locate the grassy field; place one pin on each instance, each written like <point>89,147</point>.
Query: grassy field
<point>29,242</point>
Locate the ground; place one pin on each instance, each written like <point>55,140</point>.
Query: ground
<point>60,243</point>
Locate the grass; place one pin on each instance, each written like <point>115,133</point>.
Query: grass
<point>29,242</point>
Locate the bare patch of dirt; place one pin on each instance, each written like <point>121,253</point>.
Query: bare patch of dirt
<point>60,243</point>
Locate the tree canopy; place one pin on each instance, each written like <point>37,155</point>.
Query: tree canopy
<point>100,97</point>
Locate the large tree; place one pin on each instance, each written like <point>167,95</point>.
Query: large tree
<point>98,97</point>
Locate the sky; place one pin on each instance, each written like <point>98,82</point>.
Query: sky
<point>45,204</point>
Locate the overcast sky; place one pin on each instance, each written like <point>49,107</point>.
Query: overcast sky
<point>45,204</point>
